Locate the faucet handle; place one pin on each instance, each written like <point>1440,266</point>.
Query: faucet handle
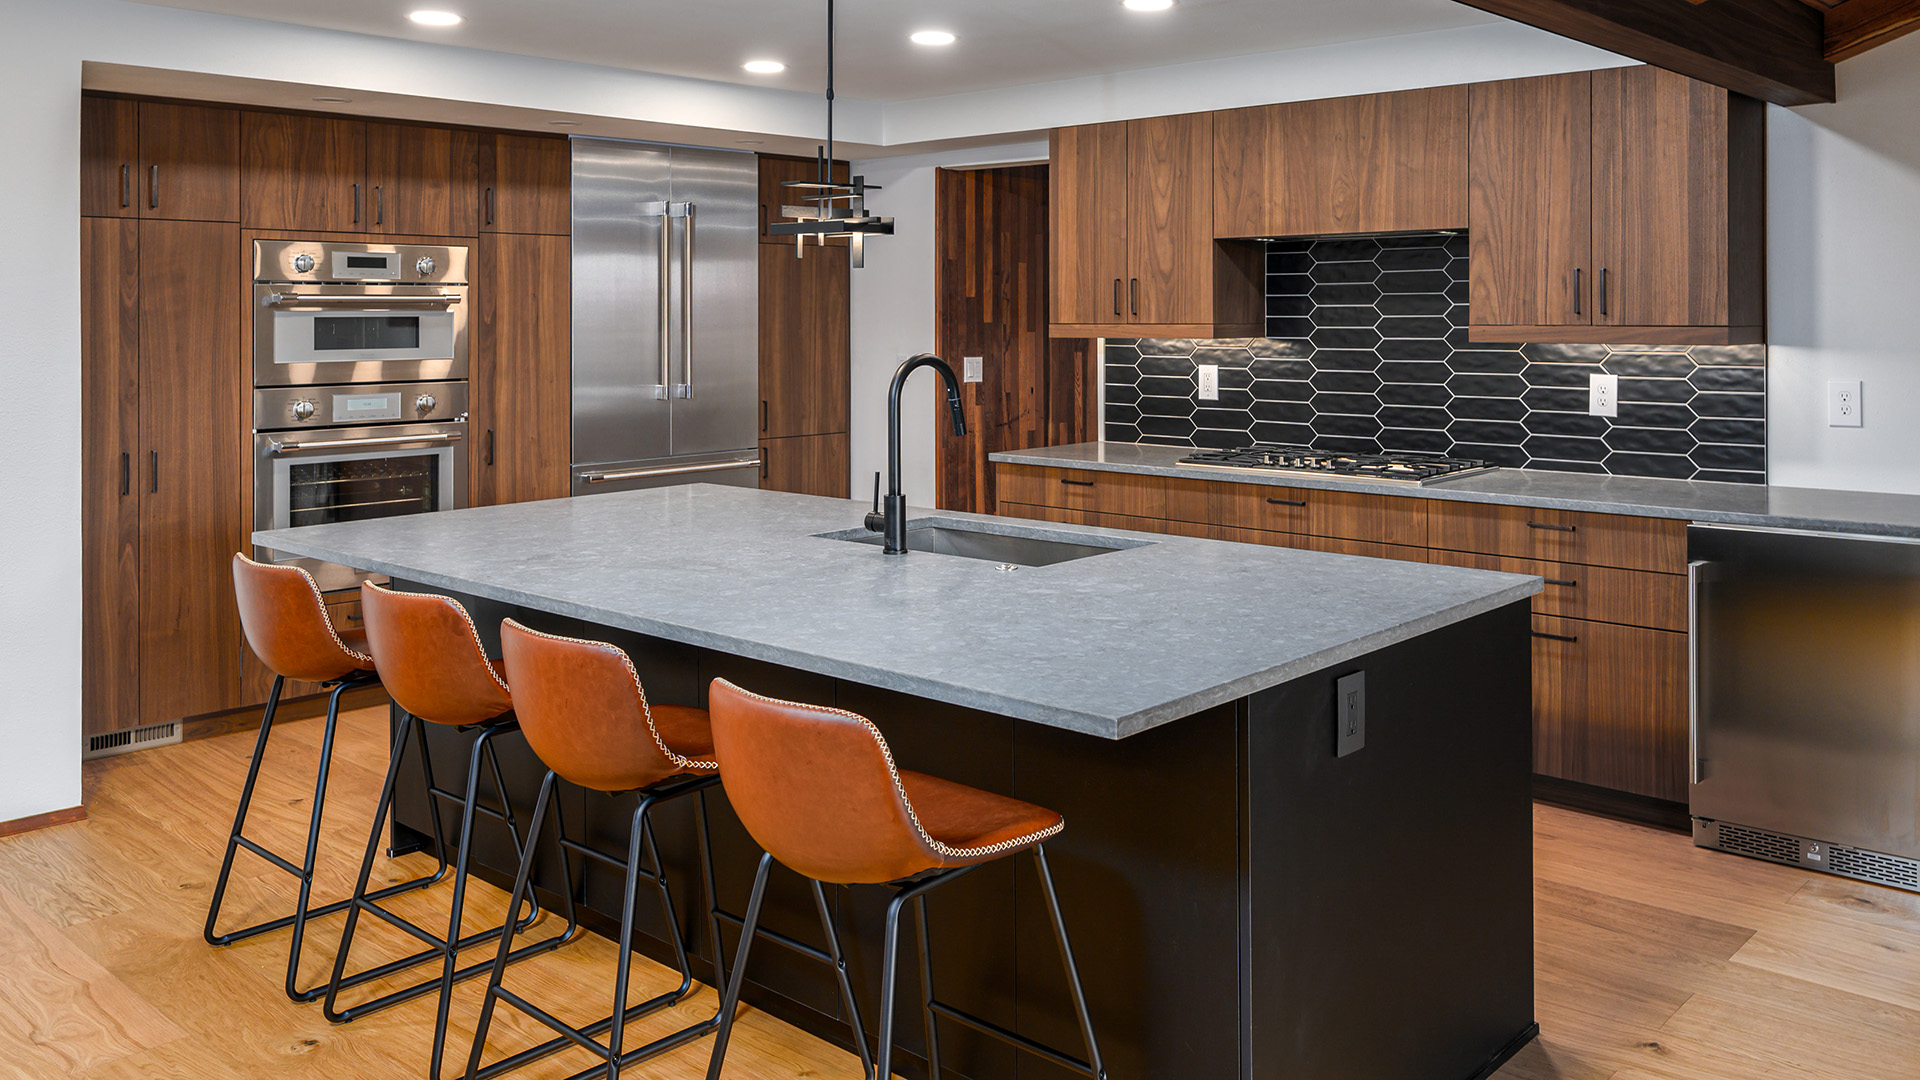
<point>876,521</point>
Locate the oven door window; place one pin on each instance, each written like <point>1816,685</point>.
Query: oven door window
<point>357,333</point>
<point>362,488</point>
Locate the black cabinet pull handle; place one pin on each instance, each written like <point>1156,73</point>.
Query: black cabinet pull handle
<point>153,470</point>
<point>766,455</point>
<point>1576,290</point>
<point>763,219</point>
<point>1562,581</point>
<point>1076,483</point>
<point>126,473</point>
<point>1288,502</point>
<point>1116,296</point>
<point>1568,638</point>
<point>126,185</point>
<point>489,204</point>
<point>1133,290</point>
<point>356,204</point>
<point>489,447</point>
<point>1603,290</point>
<point>1550,525</point>
<point>763,414</point>
<point>153,187</point>
<point>379,204</point>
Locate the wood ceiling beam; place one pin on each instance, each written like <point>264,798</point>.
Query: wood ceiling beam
<point>1855,26</point>
<point>1774,50</point>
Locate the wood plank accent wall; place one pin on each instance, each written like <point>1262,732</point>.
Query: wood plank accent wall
<point>991,288</point>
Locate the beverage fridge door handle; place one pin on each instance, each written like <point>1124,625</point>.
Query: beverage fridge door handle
<point>1697,575</point>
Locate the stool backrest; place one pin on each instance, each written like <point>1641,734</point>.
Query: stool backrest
<point>285,620</point>
<point>440,673</point>
<point>584,712</point>
<point>816,787</point>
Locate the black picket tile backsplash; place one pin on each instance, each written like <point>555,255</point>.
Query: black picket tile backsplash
<point>1367,350</point>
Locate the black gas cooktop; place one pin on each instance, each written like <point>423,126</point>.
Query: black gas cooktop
<point>1404,468</point>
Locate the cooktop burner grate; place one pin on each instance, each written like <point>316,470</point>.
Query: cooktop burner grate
<point>1401,467</point>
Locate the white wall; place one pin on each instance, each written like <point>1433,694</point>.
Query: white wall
<point>1843,221</point>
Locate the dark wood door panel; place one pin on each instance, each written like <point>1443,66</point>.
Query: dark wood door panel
<point>1170,219</point>
<point>302,172</point>
<point>1610,706</point>
<point>110,494</point>
<point>806,465</point>
<point>522,380</point>
<point>526,184</point>
<point>1088,221</point>
<point>109,156</point>
<point>1530,207</point>
<point>1242,150</point>
<point>805,341</point>
<point>189,162</point>
<point>423,180</point>
<point>1371,163</point>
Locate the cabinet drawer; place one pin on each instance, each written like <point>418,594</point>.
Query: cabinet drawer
<point>1601,593</point>
<point>1258,506</point>
<point>1335,545</point>
<point>1135,523</point>
<point>1345,515</point>
<point>1084,489</point>
<point>1565,536</point>
<point>1610,706</point>
<point>345,613</point>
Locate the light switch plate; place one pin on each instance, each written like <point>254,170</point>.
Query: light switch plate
<point>1208,376</point>
<point>1603,395</point>
<point>1350,713</point>
<point>973,368</point>
<point>1843,403</point>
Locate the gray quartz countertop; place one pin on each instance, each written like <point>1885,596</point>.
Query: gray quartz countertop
<point>1765,506</point>
<point>1109,645</point>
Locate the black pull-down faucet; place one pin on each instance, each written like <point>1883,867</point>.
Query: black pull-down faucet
<point>892,520</point>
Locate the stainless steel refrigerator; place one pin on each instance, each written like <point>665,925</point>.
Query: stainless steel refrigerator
<point>666,381</point>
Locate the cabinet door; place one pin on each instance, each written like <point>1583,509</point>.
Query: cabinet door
<point>521,387</point>
<point>1610,706</point>
<point>1530,210</point>
<point>1087,219</point>
<point>1170,219</point>
<point>774,173</point>
<point>805,341</point>
<point>189,162</point>
<point>302,172</point>
<point>1660,144</point>
<point>1372,163</point>
<point>806,464</point>
<point>110,497</point>
<point>109,153</point>
<point>525,185</point>
<point>1241,160</point>
<point>193,472</point>
<point>424,180</point>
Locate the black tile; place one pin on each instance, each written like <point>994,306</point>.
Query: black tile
<point>1166,440</point>
<point>1562,448</point>
<point>1167,346</point>
<point>1728,477</point>
<point>1390,241</point>
<point>1650,365</point>
<point>1345,337</point>
<point>1121,395</point>
<point>1590,467</point>
<point>1346,250</point>
<point>1345,360</point>
<point>1557,398</point>
<point>1414,349</point>
<point>1431,258</point>
<point>1649,440</point>
<point>1456,244</point>
<point>1234,397</point>
<point>1505,456</point>
<point>1358,404</point>
<point>1122,432</point>
<point>1166,406</point>
<point>1288,262</point>
<point>1730,355</point>
<point>1642,414</point>
<point>1579,375</point>
<point>1119,350</point>
<point>1236,378</point>
<point>1407,371</point>
<point>1122,414</point>
<point>1751,380</point>
<point>1346,382</point>
<point>1289,284</point>
<point>1414,304</point>
<point>1181,366</point>
<point>1224,355</point>
<point>1288,326</point>
<point>1564,354</point>
<point>1487,408</point>
<point>1487,361</point>
<point>1675,391</point>
<point>1750,406</point>
<point>1346,315</point>
<point>1408,416</point>
<point>1412,326</point>
<point>1670,466</point>
<point>1457,337</point>
<point>1341,444</point>
<point>1414,394</point>
<point>1458,292</point>
<point>1281,369</point>
<point>1566,423</point>
<point>1471,384</point>
<point>1723,456</point>
<point>1413,281</point>
<point>1364,427</point>
<point>1487,431</point>
<point>1264,349</point>
<point>1297,306</point>
<point>1170,426</point>
<point>1287,412</point>
<point>1323,273</point>
<point>1283,390</point>
<point>1267,432</point>
<point>1415,440</point>
<point>1231,419</point>
<point>1219,440</point>
<point>1121,373</point>
<point>1165,386</point>
<point>1721,430</point>
<point>1349,292</point>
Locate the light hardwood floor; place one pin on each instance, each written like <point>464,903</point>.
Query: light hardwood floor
<point>1656,961</point>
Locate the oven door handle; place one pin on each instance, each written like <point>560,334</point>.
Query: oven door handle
<point>275,299</point>
<point>275,446</point>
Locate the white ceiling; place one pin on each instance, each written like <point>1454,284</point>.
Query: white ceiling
<point>1003,43</point>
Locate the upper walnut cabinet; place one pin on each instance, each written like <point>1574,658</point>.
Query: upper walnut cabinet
<point>526,184</point>
<point>1132,241</point>
<point>328,174</point>
<point>1617,206</point>
<point>153,159</point>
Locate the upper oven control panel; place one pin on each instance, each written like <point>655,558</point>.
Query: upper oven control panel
<point>281,408</point>
<point>318,261</point>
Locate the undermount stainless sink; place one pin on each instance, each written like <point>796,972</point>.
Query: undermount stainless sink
<point>970,540</point>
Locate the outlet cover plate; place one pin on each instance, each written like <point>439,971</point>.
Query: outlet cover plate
<point>1603,395</point>
<point>1208,376</point>
<point>1843,403</point>
<point>973,368</point>
<point>1350,714</point>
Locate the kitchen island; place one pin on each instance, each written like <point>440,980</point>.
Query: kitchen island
<point>1246,900</point>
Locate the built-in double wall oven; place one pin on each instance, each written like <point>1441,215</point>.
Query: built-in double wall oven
<point>360,385</point>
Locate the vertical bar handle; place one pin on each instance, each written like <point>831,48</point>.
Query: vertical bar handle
<point>126,185</point>
<point>153,187</point>
<point>686,301</point>
<point>379,204</point>
<point>665,305</point>
<point>1116,296</point>
<point>489,204</point>
<point>356,204</point>
<point>1603,290</point>
<point>126,473</point>
<point>1576,290</point>
<point>1133,291</point>
<point>489,447</point>
<point>1697,576</point>
<point>153,470</point>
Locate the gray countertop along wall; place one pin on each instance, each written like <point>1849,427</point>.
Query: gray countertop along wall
<point>1109,645</point>
<point>1760,505</point>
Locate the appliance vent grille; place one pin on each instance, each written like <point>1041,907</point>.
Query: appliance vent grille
<point>122,742</point>
<point>1874,866</point>
<point>1759,844</point>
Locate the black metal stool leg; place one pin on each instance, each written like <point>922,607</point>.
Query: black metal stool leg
<point>926,986</point>
<point>407,723</point>
<point>840,973</point>
<point>240,817</point>
<point>703,835</point>
<point>624,957</point>
<point>521,884</point>
<point>1066,958</point>
<point>731,999</point>
<point>456,917</point>
<point>889,969</point>
<point>300,912</point>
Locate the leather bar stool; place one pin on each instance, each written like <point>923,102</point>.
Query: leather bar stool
<point>584,712</point>
<point>434,668</point>
<point>817,788</point>
<point>286,624</point>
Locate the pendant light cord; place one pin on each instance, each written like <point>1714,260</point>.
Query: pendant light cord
<point>826,166</point>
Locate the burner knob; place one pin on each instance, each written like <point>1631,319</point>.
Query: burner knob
<point>425,266</point>
<point>303,262</point>
<point>303,410</point>
<point>424,404</point>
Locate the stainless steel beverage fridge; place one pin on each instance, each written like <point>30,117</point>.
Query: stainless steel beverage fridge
<point>666,378</point>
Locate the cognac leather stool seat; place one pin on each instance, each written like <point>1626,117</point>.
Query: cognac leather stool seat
<point>585,714</point>
<point>286,624</point>
<point>818,789</point>
<point>434,668</point>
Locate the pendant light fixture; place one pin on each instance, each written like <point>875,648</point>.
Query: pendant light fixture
<point>829,210</point>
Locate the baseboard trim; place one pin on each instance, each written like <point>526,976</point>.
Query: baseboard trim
<point>40,821</point>
<point>300,708</point>
<point>1606,802</point>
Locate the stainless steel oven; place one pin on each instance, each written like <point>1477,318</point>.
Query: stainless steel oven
<point>351,453</point>
<point>326,312</point>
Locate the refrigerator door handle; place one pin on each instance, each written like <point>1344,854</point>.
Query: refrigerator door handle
<point>1697,575</point>
<point>685,389</point>
<point>664,211</point>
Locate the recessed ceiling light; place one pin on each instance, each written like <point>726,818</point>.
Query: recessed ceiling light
<point>335,100</point>
<point>434,18</point>
<point>930,37</point>
<point>1146,5</point>
<point>764,67</point>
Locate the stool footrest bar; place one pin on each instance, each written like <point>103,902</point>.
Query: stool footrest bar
<point>1012,1038</point>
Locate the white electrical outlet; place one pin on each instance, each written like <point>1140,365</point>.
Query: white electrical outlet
<point>1209,378</point>
<point>973,368</point>
<point>1843,403</point>
<point>1603,395</point>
